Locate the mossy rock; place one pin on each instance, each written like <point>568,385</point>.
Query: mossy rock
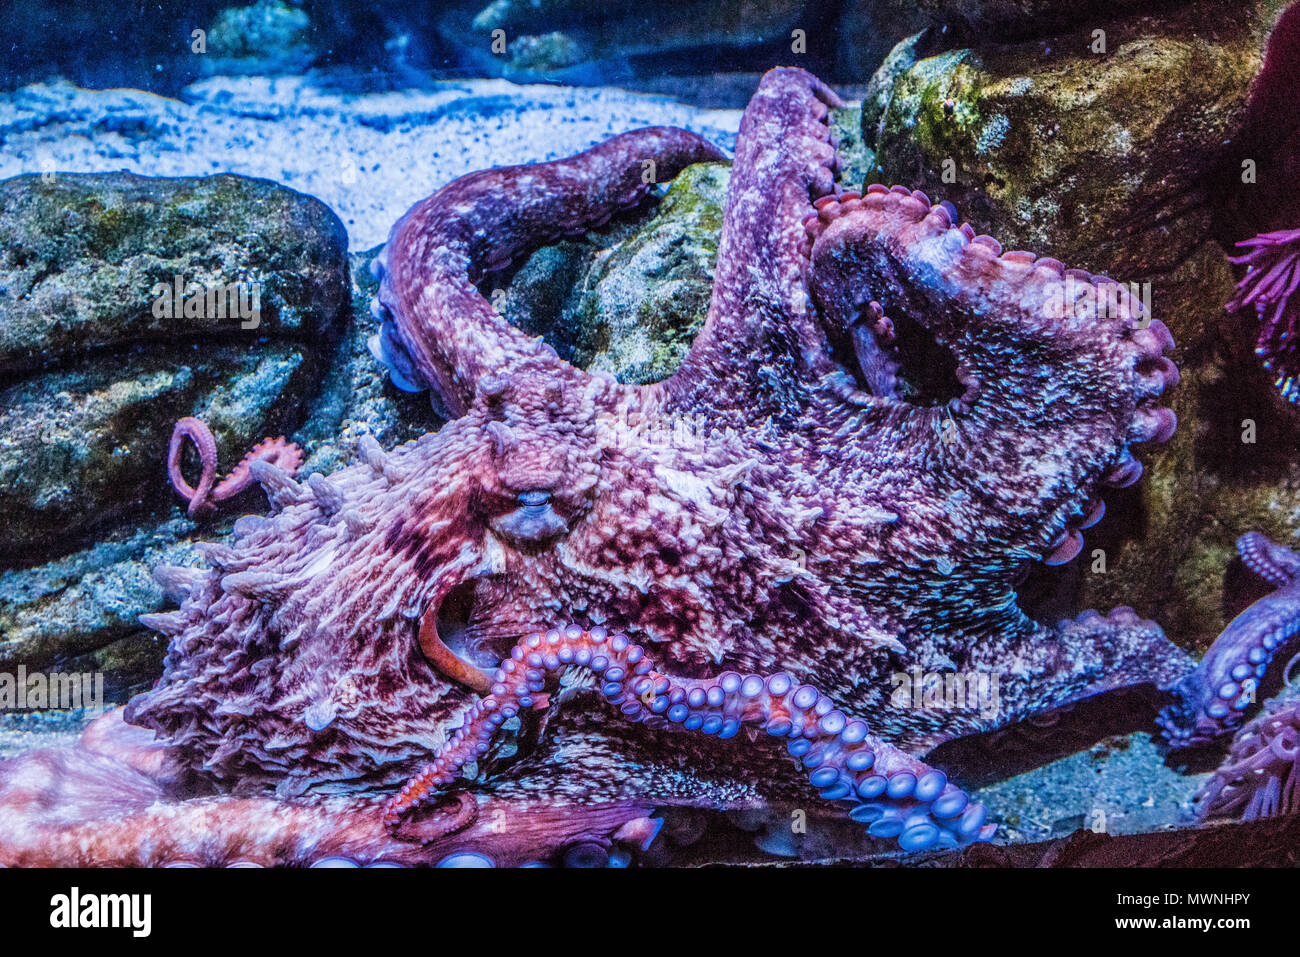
<point>267,37</point>
<point>84,449</point>
<point>85,259</point>
<point>80,613</point>
<point>630,299</point>
<point>1097,159</point>
<point>97,362</point>
<point>1005,19</point>
<point>1168,543</point>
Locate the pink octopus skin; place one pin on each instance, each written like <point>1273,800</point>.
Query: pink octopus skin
<point>831,524</point>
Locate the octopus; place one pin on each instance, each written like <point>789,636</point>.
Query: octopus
<point>1213,701</point>
<point>519,638</point>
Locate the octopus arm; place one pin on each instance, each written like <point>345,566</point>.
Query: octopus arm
<point>438,332</point>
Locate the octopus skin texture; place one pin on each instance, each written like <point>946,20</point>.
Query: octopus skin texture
<point>884,420</point>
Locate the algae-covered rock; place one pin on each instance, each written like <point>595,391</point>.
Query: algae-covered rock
<point>1167,546</point>
<point>856,161</point>
<point>82,449</point>
<point>267,37</point>
<point>629,300</point>
<point>1003,19</point>
<point>93,260</point>
<point>1096,158</point>
<point>80,613</point>
<point>128,302</point>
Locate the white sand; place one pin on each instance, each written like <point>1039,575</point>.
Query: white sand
<point>368,156</point>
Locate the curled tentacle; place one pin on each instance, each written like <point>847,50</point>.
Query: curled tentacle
<point>1215,698</point>
<point>894,793</point>
<point>279,452</point>
<point>437,331</point>
<point>1088,392</point>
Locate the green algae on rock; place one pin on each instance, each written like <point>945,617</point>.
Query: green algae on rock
<point>629,299</point>
<point>80,612</point>
<point>1004,19</point>
<point>81,449</point>
<point>84,259</point>
<point>1097,159</point>
<point>266,37</point>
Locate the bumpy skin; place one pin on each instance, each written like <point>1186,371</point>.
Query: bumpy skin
<point>797,499</point>
<point>1214,699</point>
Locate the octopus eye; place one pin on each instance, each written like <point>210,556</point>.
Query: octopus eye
<point>534,522</point>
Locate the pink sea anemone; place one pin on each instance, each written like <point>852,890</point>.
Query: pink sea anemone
<point>1261,775</point>
<point>1271,280</point>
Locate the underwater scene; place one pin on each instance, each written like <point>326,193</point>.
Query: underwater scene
<point>605,434</point>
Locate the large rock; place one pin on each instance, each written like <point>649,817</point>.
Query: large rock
<point>98,359</point>
<point>1004,19</point>
<point>1098,159</point>
<point>79,613</point>
<point>265,38</point>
